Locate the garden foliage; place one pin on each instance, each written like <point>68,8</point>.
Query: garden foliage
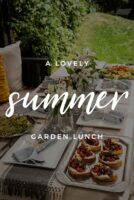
<point>47,27</point>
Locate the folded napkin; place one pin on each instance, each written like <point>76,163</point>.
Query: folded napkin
<point>32,154</point>
<point>40,109</point>
<point>107,84</point>
<point>94,115</point>
<point>115,117</point>
<point>127,82</point>
<point>28,154</point>
<point>120,84</point>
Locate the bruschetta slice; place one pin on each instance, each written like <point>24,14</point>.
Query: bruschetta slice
<point>110,159</point>
<point>103,173</point>
<point>78,169</point>
<point>92,144</point>
<point>113,145</point>
<point>83,154</point>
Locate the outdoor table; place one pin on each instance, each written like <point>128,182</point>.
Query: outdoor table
<point>58,191</point>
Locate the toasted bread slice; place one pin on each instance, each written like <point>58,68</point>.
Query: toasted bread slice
<point>114,164</point>
<point>110,159</point>
<point>103,173</point>
<point>109,146</point>
<point>92,148</point>
<point>87,159</point>
<point>79,175</point>
<point>116,152</point>
<point>105,178</point>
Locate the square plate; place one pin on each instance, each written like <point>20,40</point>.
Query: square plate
<point>52,154</point>
<point>101,123</point>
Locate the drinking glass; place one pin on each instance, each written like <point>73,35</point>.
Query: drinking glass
<point>66,121</point>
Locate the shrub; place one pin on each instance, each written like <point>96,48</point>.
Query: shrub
<point>46,27</point>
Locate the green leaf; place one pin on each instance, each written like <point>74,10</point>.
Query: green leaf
<point>69,70</point>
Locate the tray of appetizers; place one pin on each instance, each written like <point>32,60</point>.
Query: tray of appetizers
<point>98,164</point>
<point>117,72</point>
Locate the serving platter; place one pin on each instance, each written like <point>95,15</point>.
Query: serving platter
<point>123,173</point>
<point>51,155</point>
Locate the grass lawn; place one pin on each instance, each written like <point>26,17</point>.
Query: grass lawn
<point>111,37</point>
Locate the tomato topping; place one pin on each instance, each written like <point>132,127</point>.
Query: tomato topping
<point>81,154</point>
<point>77,165</point>
<point>102,170</point>
<point>79,169</point>
<point>108,156</point>
<point>93,142</point>
<point>82,151</point>
<point>111,145</point>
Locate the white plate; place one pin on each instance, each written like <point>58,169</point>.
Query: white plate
<point>52,154</point>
